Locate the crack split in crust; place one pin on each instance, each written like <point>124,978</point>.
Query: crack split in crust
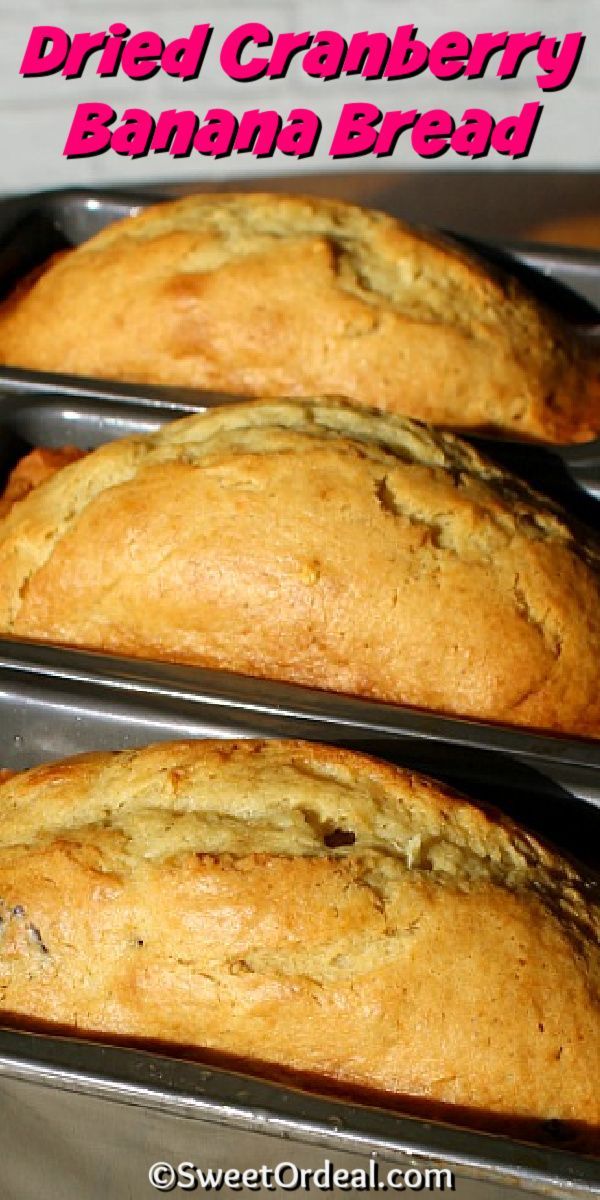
<point>434,950</point>
<point>313,542</point>
<point>263,295</point>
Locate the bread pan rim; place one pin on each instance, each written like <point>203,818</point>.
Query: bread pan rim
<point>131,1075</point>
<point>538,256</point>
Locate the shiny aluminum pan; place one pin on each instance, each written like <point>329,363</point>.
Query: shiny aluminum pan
<point>34,227</point>
<point>90,1120</point>
<point>87,1119</point>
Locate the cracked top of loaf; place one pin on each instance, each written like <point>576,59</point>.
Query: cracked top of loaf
<point>302,908</point>
<point>270,295</point>
<point>314,542</point>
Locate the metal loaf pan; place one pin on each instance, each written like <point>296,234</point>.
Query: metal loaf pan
<point>94,1117</point>
<point>34,227</point>
<point>540,777</point>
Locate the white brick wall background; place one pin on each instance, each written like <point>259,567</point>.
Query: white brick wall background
<point>37,113</point>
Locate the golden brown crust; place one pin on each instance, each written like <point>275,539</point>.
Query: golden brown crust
<point>316,543</point>
<point>327,914</point>
<point>268,295</point>
<point>33,469</point>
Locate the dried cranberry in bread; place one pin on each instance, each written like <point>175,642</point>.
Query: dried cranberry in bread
<point>301,911</point>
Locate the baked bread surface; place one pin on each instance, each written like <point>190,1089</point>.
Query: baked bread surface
<point>300,907</point>
<point>270,295</point>
<point>32,470</point>
<point>315,543</point>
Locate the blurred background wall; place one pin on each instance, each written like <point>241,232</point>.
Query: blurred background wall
<point>36,113</point>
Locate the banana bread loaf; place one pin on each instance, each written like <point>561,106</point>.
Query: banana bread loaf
<point>271,295</point>
<point>319,544</point>
<point>328,915</point>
